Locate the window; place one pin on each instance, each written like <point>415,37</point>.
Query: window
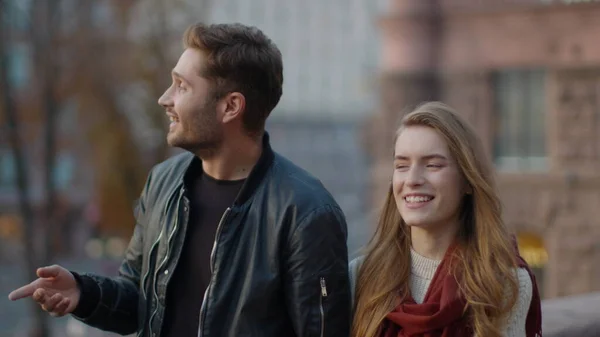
<point>17,14</point>
<point>520,135</point>
<point>19,64</point>
<point>7,170</point>
<point>64,171</point>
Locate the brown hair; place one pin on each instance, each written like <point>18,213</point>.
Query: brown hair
<point>240,59</point>
<point>485,255</point>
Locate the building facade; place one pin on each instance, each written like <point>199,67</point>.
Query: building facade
<point>526,75</point>
<point>330,51</point>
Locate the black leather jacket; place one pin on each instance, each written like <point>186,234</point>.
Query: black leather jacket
<point>279,261</point>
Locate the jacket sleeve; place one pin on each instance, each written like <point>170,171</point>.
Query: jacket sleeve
<point>317,286</point>
<point>111,303</point>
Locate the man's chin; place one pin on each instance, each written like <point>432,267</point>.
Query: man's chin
<point>193,146</point>
<point>174,141</point>
<point>181,144</point>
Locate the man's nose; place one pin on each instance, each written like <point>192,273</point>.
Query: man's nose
<point>166,100</point>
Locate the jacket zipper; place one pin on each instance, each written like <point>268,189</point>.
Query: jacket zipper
<point>171,235</point>
<point>165,258</point>
<point>152,249</point>
<point>212,266</point>
<point>148,271</point>
<point>323,295</point>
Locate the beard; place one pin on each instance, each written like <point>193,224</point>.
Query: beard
<point>199,131</point>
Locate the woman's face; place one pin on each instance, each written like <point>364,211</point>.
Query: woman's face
<point>427,183</point>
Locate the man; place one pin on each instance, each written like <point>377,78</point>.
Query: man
<point>231,238</point>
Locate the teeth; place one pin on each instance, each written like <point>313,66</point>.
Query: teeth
<point>417,199</point>
<point>172,119</point>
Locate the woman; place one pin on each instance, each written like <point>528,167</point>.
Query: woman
<point>441,262</point>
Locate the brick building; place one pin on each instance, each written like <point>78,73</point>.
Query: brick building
<point>526,74</point>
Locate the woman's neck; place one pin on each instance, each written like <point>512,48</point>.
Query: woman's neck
<point>432,244</point>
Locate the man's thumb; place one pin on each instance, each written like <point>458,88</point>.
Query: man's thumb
<point>46,272</point>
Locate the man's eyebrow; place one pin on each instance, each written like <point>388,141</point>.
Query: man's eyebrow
<point>179,76</point>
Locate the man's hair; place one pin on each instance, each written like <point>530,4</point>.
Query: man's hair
<point>240,59</point>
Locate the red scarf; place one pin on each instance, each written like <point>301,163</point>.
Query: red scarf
<point>441,313</point>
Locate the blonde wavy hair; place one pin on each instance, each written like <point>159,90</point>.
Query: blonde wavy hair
<point>485,255</point>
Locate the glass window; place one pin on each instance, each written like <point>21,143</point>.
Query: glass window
<point>19,64</point>
<point>520,135</point>
<point>64,170</point>
<point>7,170</point>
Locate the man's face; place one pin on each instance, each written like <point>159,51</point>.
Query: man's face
<point>190,105</point>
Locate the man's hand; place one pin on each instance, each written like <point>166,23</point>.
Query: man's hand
<point>55,290</point>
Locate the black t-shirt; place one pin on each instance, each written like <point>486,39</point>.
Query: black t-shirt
<point>209,198</point>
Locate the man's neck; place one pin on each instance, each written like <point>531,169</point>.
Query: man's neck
<point>432,244</point>
<point>233,160</point>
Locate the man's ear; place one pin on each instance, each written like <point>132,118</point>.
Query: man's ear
<point>234,105</point>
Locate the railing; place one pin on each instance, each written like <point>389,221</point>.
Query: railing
<point>571,316</point>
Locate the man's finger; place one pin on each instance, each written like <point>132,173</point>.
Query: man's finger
<point>39,296</point>
<point>52,302</point>
<point>46,272</point>
<point>61,307</point>
<point>24,291</point>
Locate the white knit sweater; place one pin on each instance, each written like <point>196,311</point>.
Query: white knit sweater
<point>423,270</point>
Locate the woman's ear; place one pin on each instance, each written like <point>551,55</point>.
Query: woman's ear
<point>468,187</point>
<point>469,190</point>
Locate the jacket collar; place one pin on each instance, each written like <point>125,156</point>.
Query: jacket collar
<point>255,177</point>
<point>258,172</point>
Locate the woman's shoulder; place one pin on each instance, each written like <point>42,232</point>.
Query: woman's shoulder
<point>517,319</point>
<point>525,286</point>
<point>356,262</point>
<point>353,267</point>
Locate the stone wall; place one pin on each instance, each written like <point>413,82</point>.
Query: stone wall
<point>564,211</point>
<point>574,97</point>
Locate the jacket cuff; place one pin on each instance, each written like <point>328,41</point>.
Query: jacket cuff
<point>89,298</point>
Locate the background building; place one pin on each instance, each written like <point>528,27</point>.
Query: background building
<point>331,52</point>
<point>526,75</point>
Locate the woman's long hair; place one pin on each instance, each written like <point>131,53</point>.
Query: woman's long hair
<point>486,254</point>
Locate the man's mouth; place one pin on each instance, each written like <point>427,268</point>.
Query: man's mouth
<point>173,121</point>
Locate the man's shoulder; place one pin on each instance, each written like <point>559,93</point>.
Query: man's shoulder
<point>178,162</point>
<point>300,186</point>
<point>172,166</point>
<point>167,174</point>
